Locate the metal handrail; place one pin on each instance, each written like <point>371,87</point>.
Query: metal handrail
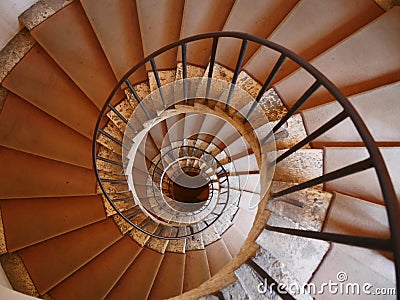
<point>374,161</point>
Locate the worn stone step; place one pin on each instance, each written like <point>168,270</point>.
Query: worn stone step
<point>307,207</point>
<point>303,165</point>
<point>301,255</point>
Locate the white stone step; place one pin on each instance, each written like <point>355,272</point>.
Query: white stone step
<point>382,120</point>
<point>234,291</point>
<point>302,256</point>
<point>353,265</point>
<point>250,282</point>
<point>363,185</point>
<point>280,273</point>
<point>301,166</point>
<point>311,215</point>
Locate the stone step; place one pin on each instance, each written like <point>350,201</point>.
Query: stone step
<point>26,128</point>
<point>317,34</point>
<point>250,280</point>
<point>167,286</point>
<point>234,291</point>
<point>244,221</point>
<point>100,274</point>
<point>260,19</point>
<point>217,255</point>
<point>363,185</point>
<point>62,100</point>
<point>160,27</point>
<point>303,165</point>
<point>57,179</point>
<point>347,266</point>
<point>280,273</point>
<point>233,239</point>
<point>206,16</point>
<point>381,120</point>
<point>302,256</point>
<point>69,39</point>
<point>67,253</point>
<point>26,221</point>
<point>352,73</point>
<point>149,262</point>
<point>353,216</point>
<point>196,269</point>
<point>122,17</point>
<point>307,207</point>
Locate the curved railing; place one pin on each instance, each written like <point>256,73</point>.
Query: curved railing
<point>374,160</point>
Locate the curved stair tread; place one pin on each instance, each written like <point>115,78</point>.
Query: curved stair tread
<point>354,265</point>
<point>71,42</point>
<point>196,269</point>
<point>95,279</point>
<point>22,179</point>
<point>39,80</point>
<point>381,121</point>
<point>122,17</point>
<point>148,261</point>
<point>64,254</point>
<point>363,185</point>
<point>302,256</point>
<point>217,255</point>
<point>327,33</point>
<point>26,128</point>
<point>26,221</point>
<point>355,68</point>
<point>170,277</point>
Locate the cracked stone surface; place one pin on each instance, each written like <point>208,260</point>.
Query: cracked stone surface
<point>195,242</point>
<point>123,226</point>
<point>17,274</point>
<point>210,235</point>
<point>114,132</point>
<point>311,216</point>
<point>166,77</point>
<point>3,247</point>
<point>14,51</point>
<point>270,101</point>
<point>301,255</point>
<point>142,90</point>
<point>296,132</point>
<point>40,11</point>
<point>156,244</point>
<point>250,281</point>
<point>140,237</point>
<point>279,272</point>
<point>303,165</point>
<point>234,291</point>
<point>192,71</point>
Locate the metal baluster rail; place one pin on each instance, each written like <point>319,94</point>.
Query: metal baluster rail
<point>375,160</point>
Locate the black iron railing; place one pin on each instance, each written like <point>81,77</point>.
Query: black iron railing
<point>374,161</point>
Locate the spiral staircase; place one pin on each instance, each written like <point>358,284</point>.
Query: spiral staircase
<point>178,149</point>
